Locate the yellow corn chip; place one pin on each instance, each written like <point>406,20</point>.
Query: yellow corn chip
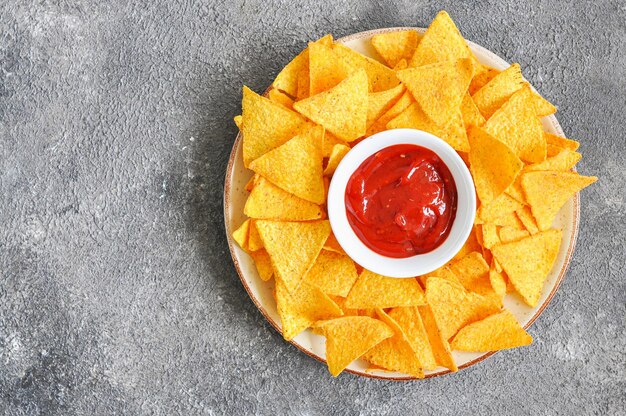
<point>542,106</point>
<point>350,337</point>
<point>238,121</point>
<point>526,217</point>
<point>254,239</point>
<point>258,113</point>
<point>497,210</point>
<point>439,88</point>
<point>454,307</point>
<point>496,92</point>
<point>250,184</point>
<point>509,234</point>
<point>240,235</point>
<point>548,191</point>
<point>281,98</point>
<point>395,353</point>
<point>565,160</point>
<point>378,103</point>
<point>490,235</point>
<point>402,64</point>
<point>372,290</point>
<point>414,117</point>
<point>330,141</point>
<point>287,79</point>
<point>471,244</point>
<point>515,190</point>
<point>303,83</point>
<point>441,42</point>
<point>471,115</point>
<point>300,309</point>
<point>493,164</point>
<point>472,272</point>
<point>498,282</point>
<point>333,273</point>
<point>409,320</point>
<point>380,78</point>
<point>293,247</point>
<point>338,152</point>
<point>381,124</point>
<point>552,150</point>
<point>561,142</point>
<point>482,78</point>
<point>439,344</point>
<point>442,273</point>
<point>516,125</point>
<point>496,332</point>
<point>267,201</point>
<point>528,261</point>
<point>263,264</point>
<point>326,69</point>
<point>395,46</point>
<point>342,110</point>
<point>296,166</point>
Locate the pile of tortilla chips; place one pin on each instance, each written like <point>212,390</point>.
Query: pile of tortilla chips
<point>331,97</point>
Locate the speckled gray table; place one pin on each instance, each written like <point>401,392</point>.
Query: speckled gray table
<point>117,291</point>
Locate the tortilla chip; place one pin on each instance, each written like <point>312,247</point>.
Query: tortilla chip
<point>528,261</point>
<point>409,320</point>
<point>303,83</point>
<point>281,98</point>
<point>454,307</point>
<point>493,164</point>
<point>509,234</point>
<point>515,190</point>
<point>496,332</point>
<point>338,152</point>
<point>287,79</point>
<point>350,337</point>
<point>490,235</point>
<point>332,244</point>
<point>326,69</point>
<point>470,113</point>
<point>372,290</point>
<point>472,271</point>
<point>526,217</point>
<point>402,64</point>
<point>439,344</point>
<point>548,191</point>
<point>496,92</point>
<point>263,264</point>
<point>254,239</point>
<point>395,46</point>
<point>296,166</point>
<point>402,104</point>
<point>442,273</point>
<point>497,210</point>
<point>238,121</point>
<point>330,141</point>
<point>561,142</point>
<point>293,247</point>
<point>516,125</point>
<point>414,117</point>
<point>542,106</point>
<point>300,309</point>
<point>378,103</point>
<point>564,161</point>
<point>268,201</point>
<point>482,78</point>
<point>258,113</point>
<point>333,273</point>
<point>498,282</point>
<point>342,110</point>
<point>439,88</point>
<point>240,235</point>
<point>395,353</point>
<point>250,184</point>
<point>441,42</point>
<point>380,78</point>
<point>471,244</point>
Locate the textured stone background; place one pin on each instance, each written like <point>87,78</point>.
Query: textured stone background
<point>117,291</point>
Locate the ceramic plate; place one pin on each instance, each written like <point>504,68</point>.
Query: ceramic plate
<point>314,345</point>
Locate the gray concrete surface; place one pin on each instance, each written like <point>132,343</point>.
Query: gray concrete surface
<point>117,292</point>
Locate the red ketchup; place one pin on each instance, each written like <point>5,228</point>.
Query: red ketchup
<point>402,201</point>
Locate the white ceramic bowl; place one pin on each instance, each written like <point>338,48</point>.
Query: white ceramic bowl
<point>421,263</point>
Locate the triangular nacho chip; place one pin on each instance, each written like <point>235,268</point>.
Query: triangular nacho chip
<point>395,46</point>
<point>439,344</point>
<point>296,166</point>
<point>528,261</point>
<point>263,264</point>
<point>482,78</point>
<point>333,273</point>
<point>372,290</point>
<point>548,191</point>
<point>238,121</point>
<point>493,164</point>
<point>330,141</point>
<point>325,68</point>
<point>471,244</point>
<point>380,78</point>
<point>281,98</point>
<point>470,113</point>
<point>565,160</point>
<point>439,88</point>
<point>402,64</point>
<point>496,92</point>
<point>472,271</point>
<point>350,337</point>
<point>338,152</point>
<point>268,201</point>
<point>410,321</point>
<point>509,234</point>
<point>542,106</point>
<point>490,235</point>
<point>562,142</point>
<point>240,235</point>
<point>342,110</point>
<point>258,113</point>
<point>300,309</point>
<point>293,247</point>
<point>498,209</point>
<point>332,244</point>
<point>496,332</point>
<point>378,103</point>
<point>254,239</point>
<point>527,219</point>
<point>516,125</point>
<point>402,104</point>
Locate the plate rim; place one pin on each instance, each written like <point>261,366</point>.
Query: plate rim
<point>226,201</point>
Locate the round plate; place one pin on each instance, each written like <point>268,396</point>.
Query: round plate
<point>314,345</point>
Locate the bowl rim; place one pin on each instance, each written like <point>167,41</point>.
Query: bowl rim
<point>415,265</point>
<point>261,308</point>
